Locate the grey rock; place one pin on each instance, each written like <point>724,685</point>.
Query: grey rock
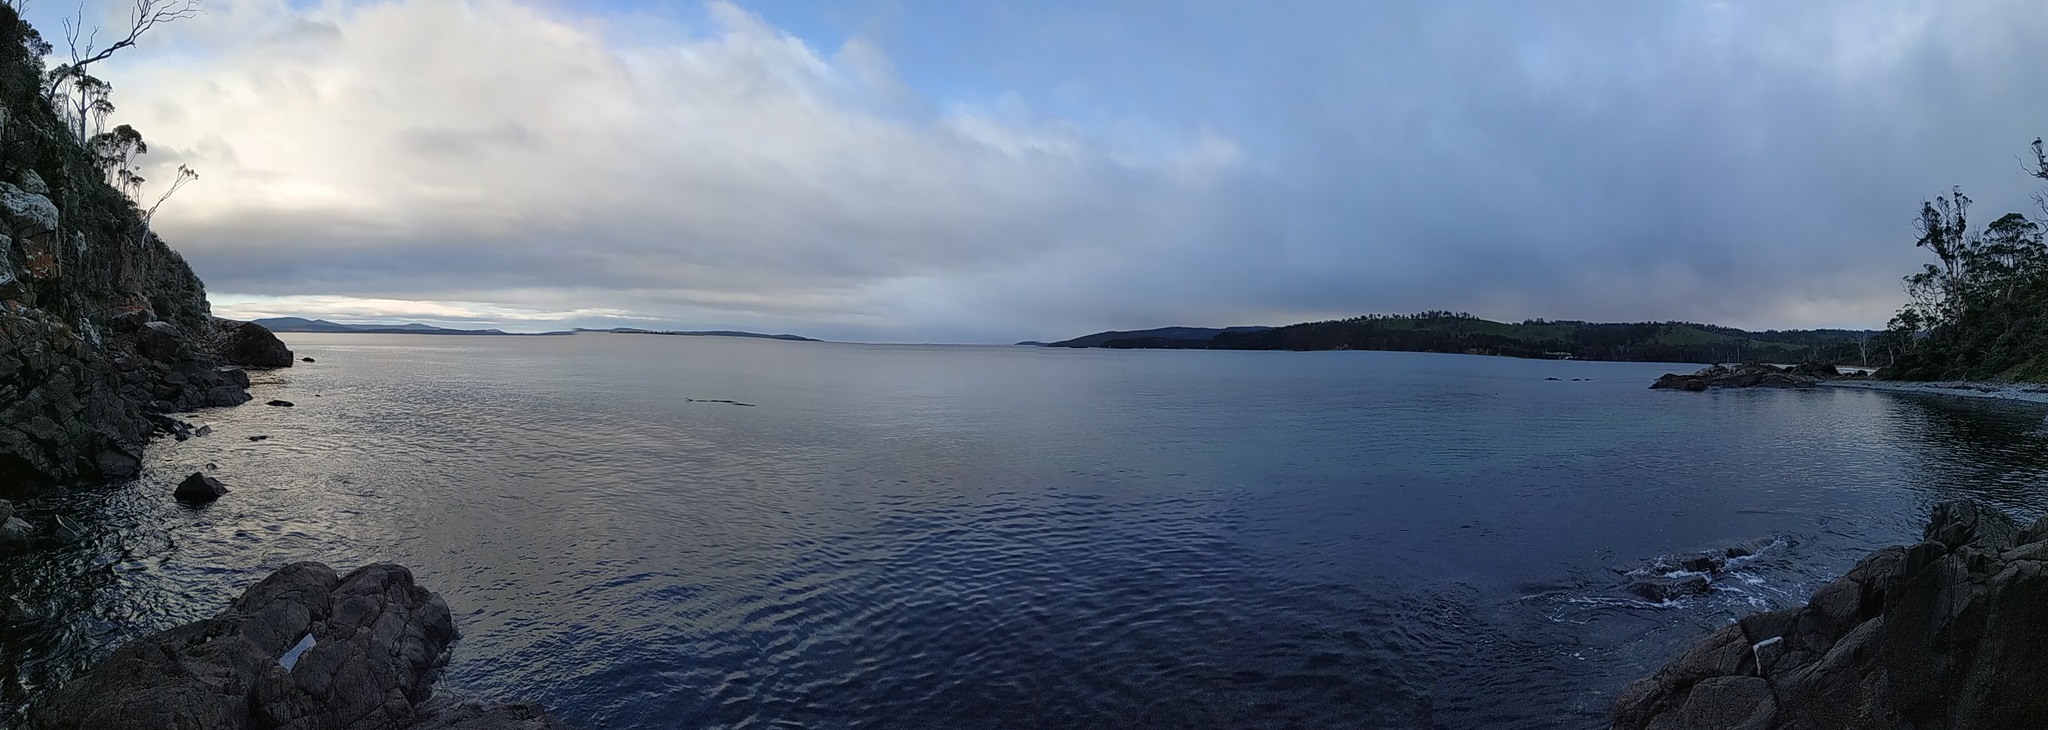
<point>251,344</point>
<point>1947,634</point>
<point>379,640</point>
<point>6,510</point>
<point>200,488</point>
<point>159,341</point>
<point>15,529</point>
<point>280,403</point>
<point>1723,703</point>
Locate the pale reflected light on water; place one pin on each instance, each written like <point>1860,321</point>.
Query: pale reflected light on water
<point>896,536</point>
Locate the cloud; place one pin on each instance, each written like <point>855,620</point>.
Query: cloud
<point>1079,167</point>
<point>488,151</point>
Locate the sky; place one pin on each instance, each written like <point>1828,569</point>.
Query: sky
<point>979,171</point>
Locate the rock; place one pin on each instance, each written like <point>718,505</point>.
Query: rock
<point>129,319</point>
<point>1816,370</point>
<point>16,529</point>
<point>305,359</point>
<point>232,375</point>
<point>1701,562</point>
<point>199,488</point>
<point>377,640</point>
<point>159,341</point>
<point>280,403</point>
<point>1659,590</point>
<point>1552,378</point>
<point>1748,375</point>
<point>258,438</point>
<point>251,344</point>
<point>1950,633</point>
<point>6,510</point>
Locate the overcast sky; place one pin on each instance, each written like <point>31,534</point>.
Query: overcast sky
<point>979,171</point>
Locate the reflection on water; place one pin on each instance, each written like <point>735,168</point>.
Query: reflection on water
<point>1014,537</point>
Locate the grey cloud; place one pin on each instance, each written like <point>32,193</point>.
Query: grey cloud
<point>1751,163</point>
<point>469,144</point>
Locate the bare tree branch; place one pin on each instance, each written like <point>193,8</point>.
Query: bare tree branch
<point>142,17</point>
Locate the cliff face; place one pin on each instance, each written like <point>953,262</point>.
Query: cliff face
<point>101,324</point>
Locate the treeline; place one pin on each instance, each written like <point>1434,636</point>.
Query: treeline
<point>1980,312</point>
<point>1635,342</point>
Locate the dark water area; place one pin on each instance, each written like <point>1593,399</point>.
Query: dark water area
<point>1004,537</point>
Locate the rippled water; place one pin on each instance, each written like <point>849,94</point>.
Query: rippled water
<point>898,536</point>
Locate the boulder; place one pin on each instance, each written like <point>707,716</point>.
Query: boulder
<point>200,488</point>
<point>305,359</point>
<point>303,648</point>
<point>16,529</point>
<point>251,344</point>
<point>159,341</point>
<point>280,403</point>
<point>1947,634</point>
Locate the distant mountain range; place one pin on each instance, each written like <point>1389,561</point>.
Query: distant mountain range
<point>703,333</point>
<point>301,324</point>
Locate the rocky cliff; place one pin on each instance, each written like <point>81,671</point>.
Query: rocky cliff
<point>101,324</point>
<point>1946,634</point>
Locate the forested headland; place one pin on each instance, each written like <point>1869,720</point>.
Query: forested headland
<point>1458,332</point>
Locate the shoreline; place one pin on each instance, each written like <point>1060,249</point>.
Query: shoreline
<point>2020,392</point>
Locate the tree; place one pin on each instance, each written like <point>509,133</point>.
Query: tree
<point>116,152</point>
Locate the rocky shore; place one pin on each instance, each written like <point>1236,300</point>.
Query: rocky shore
<point>304,649</point>
<point>1946,634</point>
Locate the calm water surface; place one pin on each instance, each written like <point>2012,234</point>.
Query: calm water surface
<point>1001,537</point>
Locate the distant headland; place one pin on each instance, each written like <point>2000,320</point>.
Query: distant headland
<point>1458,332</point>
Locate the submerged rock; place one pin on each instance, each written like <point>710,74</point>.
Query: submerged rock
<point>1659,590</point>
<point>200,488</point>
<point>377,640</point>
<point>1949,633</point>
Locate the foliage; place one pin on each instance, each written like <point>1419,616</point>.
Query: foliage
<point>1980,312</point>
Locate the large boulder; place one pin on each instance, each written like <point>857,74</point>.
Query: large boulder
<point>251,344</point>
<point>1947,634</point>
<point>305,649</point>
<point>199,488</point>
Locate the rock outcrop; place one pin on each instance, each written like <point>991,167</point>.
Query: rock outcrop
<point>101,324</point>
<point>1947,634</point>
<point>199,488</point>
<point>1749,375</point>
<point>305,649</point>
<point>252,345</point>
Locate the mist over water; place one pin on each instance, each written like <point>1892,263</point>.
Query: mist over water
<point>909,536</point>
